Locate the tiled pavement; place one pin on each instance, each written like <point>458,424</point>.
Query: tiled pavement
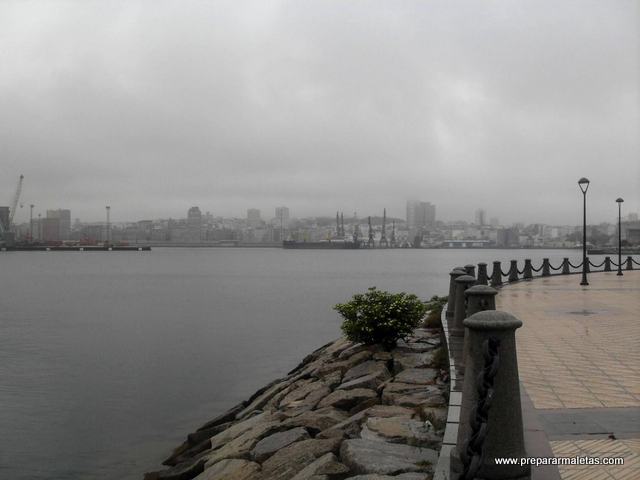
<point>579,362</point>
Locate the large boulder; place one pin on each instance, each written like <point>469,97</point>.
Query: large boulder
<point>274,442</point>
<point>287,462</point>
<point>328,464</point>
<point>367,456</point>
<point>317,420</point>
<point>347,399</point>
<point>231,469</point>
<point>239,428</point>
<point>240,446</point>
<point>401,430</point>
<point>420,376</point>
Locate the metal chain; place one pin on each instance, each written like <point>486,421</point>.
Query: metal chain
<point>536,269</point>
<point>574,266</point>
<point>633,260</point>
<point>594,265</point>
<point>615,264</point>
<point>554,268</point>
<point>472,451</point>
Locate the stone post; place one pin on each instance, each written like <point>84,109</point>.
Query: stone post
<point>546,269</point>
<point>513,271</point>
<point>587,265</point>
<point>607,264</point>
<point>528,269</point>
<point>565,266</point>
<point>451,300</point>
<point>462,283</point>
<point>629,263</point>
<point>496,275</point>
<point>470,269</point>
<point>504,430</point>
<point>483,277</point>
<point>479,299</point>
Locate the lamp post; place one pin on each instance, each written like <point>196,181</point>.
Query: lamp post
<point>583,183</point>
<point>619,201</point>
<point>108,242</point>
<point>31,223</point>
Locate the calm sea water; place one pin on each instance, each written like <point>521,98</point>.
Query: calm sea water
<point>107,360</point>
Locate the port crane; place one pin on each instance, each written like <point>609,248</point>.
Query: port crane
<point>16,199</point>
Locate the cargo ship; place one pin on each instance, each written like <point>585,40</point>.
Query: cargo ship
<point>322,245</point>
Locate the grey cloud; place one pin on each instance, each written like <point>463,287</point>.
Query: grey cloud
<point>155,106</point>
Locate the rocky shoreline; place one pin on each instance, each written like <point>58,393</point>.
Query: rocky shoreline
<point>348,411</point>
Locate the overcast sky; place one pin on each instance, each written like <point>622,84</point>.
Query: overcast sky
<point>152,107</point>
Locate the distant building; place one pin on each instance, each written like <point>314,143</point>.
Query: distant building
<point>420,214</point>
<point>253,218</point>
<point>4,217</point>
<point>508,237</point>
<point>50,228</point>
<point>282,217</point>
<point>494,222</point>
<point>193,231</point>
<point>194,218</point>
<point>481,217</point>
<point>64,217</point>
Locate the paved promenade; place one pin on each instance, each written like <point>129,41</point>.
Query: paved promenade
<point>579,363</point>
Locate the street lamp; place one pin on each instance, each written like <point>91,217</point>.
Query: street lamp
<point>619,201</point>
<point>108,242</point>
<point>583,183</point>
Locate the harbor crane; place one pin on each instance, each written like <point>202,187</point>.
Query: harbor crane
<point>16,199</point>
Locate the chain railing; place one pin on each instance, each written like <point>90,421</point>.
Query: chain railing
<point>513,273</point>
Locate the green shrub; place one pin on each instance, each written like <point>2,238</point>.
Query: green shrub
<point>379,317</point>
<point>434,308</point>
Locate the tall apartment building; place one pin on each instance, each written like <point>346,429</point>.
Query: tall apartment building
<point>194,225</point>
<point>64,224</point>
<point>253,218</point>
<point>481,217</point>
<point>420,214</point>
<point>282,217</point>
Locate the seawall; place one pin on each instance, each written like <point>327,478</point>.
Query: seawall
<point>348,411</point>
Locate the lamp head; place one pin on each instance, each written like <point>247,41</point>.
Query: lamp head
<point>583,183</point>
<point>619,200</point>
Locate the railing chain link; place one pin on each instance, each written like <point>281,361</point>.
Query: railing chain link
<point>472,452</point>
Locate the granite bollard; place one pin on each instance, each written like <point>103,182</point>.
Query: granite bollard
<point>504,428</point>
<point>629,263</point>
<point>513,271</point>
<point>496,274</point>
<point>528,269</point>
<point>546,269</point>
<point>479,299</point>
<point>451,300</point>
<point>483,277</point>
<point>470,270</point>
<point>463,282</point>
<point>607,264</point>
<point>565,266</point>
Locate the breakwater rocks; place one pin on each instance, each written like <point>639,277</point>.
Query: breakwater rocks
<point>348,411</point>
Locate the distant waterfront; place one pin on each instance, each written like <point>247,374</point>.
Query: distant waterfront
<point>108,360</point>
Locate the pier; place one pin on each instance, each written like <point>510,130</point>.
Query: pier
<point>572,385</point>
<point>579,364</point>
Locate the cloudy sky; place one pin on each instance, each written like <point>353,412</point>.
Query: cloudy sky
<point>155,106</point>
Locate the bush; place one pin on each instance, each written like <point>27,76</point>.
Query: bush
<point>434,309</point>
<point>379,317</point>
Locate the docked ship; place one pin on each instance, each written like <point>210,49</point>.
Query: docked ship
<point>323,245</point>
